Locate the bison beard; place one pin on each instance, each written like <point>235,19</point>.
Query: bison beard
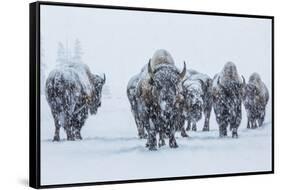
<point>72,91</point>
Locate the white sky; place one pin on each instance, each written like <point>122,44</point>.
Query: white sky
<point>119,42</point>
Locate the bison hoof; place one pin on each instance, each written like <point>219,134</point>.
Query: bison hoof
<point>223,135</point>
<point>161,143</point>
<point>234,135</point>
<point>184,134</point>
<point>152,148</point>
<point>56,138</point>
<point>78,136</point>
<point>173,144</point>
<point>143,136</point>
<point>146,145</point>
<point>206,129</point>
<point>70,138</point>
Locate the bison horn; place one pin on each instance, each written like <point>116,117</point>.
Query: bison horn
<point>218,81</point>
<point>182,74</point>
<point>244,82</point>
<point>104,78</point>
<point>150,72</point>
<point>202,83</point>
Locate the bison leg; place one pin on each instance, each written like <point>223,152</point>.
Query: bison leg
<point>253,123</point>
<point>69,133</point>
<point>207,115</point>
<point>173,142</point>
<point>70,136</point>
<point>234,128</point>
<point>180,126</point>
<point>188,125</point>
<point>172,139</point>
<point>248,123</point>
<point>183,132</point>
<point>161,138</point>
<point>151,140</point>
<point>223,129</point>
<point>140,128</point>
<point>77,133</point>
<point>57,131</point>
<point>194,127</point>
<point>141,132</point>
<point>151,143</point>
<point>261,119</point>
<point>235,124</point>
<point>58,123</point>
<point>77,129</point>
<point>234,132</point>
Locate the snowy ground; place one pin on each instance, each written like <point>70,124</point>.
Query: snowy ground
<point>111,150</point>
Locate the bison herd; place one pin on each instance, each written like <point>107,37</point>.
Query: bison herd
<point>163,99</point>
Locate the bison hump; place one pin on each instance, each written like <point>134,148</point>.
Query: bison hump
<point>75,74</point>
<point>161,56</point>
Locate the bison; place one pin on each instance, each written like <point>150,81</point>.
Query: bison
<point>197,93</point>
<point>255,100</point>
<point>157,93</point>
<point>227,98</point>
<point>72,91</point>
<point>134,102</point>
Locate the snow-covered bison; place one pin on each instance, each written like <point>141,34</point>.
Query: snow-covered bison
<point>227,99</point>
<point>255,100</point>
<point>72,91</point>
<point>197,93</point>
<point>158,90</point>
<point>134,101</point>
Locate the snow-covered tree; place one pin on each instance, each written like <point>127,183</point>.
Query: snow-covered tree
<point>61,54</point>
<point>106,91</point>
<point>65,56</point>
<point>77,57</point>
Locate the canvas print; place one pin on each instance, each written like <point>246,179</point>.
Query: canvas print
<point>131,95</point>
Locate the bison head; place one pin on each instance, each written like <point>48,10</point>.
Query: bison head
<point>230,80</point>
<point>94,101</point>
<point>229,74</point>
<point>165,81</point>
<point>193,99</point>
<point>255,77</point>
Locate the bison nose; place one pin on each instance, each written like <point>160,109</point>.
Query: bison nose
<point>99,104</point>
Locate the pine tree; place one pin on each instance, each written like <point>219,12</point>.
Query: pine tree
<point>77,58</point>
<point>106,91</point>
<point>61,54</point>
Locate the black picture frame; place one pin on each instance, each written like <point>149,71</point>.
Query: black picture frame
<point>34,91</point>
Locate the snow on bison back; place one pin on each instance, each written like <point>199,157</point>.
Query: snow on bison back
<point>72,91</point>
